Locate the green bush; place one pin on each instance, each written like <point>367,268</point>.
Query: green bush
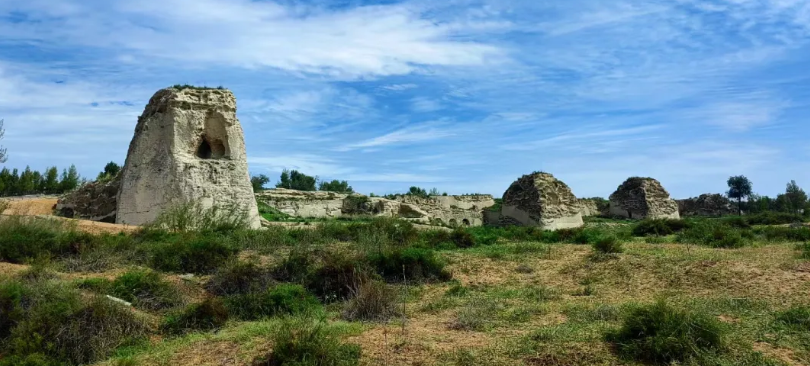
<point>462,239</point>
<point>237,277</point>
<point>409,264</point>
<point>23,239</point>
<point>659,227</point>
<point>608,245</point>
<point>97,285</point>
<point>283,299</point>
<point>45,321</point>
<point>207,315</point>
<point>298,267</point>
<point>336,276</point>
<point>715,234</point>
<point>300,342</point>
<point>784,234</point>
<point>193,253</point>
<point>805,250</point>
<point>662,334</point>
<point>145,289</point>
<point>193,216</point>
<point>773,218</point>
<point>372,301</point>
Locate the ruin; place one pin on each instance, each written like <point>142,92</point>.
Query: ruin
<point>588,207</point>
<point>540,200</point>
<point>641,198</point>
<point>94,201</point>
<point>188,147</point>
<point>433,210</point>
<point>706,205</point>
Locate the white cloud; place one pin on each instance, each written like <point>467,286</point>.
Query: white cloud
<point>400,87</point>
<point>353,43</point>
<point>425,105</point>
<point>406,135</point>
<point>742,114</point>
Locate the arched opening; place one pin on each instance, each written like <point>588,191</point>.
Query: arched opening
<point>211,149</point>
<point>466,222</point>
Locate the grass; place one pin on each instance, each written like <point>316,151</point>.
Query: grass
<point>382,292</point>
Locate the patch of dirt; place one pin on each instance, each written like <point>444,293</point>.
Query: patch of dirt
<point>31,206</point>
<point>784,355</point>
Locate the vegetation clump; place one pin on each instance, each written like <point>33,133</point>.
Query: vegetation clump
<point>662,334</point>
<point>302,342</point>
<point>207,315</point>
<point>410,265</point>
<point>284,299</point>
<point>145,289</point>
<point>659,227</point>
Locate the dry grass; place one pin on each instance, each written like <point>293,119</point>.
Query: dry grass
<point>540,317</point>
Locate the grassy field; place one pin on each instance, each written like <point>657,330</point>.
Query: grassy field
<point>731,291</point>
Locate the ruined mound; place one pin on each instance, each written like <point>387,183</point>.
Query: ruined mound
<point>188,147</point>
<point>705,205</point>
<point>94,201</point>
<point>640,198</point>
<point>539,199</point>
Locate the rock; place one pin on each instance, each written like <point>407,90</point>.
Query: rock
<point>705,205</point>
<point>541,200</point>
<point>94,201</point>
<point>188,147</point>
<point>640,198</point>
<point>464,210</point>
<point>588,207</point>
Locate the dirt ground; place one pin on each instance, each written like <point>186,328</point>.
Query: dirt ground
<point>43,208</point>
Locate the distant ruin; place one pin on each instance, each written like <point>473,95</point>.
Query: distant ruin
<point>706,205</point>
<point>641,198</point>
<point>188,147</point>
<point>541,200</point>
<point>432,210</point>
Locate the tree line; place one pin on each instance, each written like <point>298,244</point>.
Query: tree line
<point>293,179</point>
<point>793,201</point>
<point>16,183</point>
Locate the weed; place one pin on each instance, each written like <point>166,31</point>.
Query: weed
<point>237,277</point>
<point>608,245</point>
<point>209,314</point>
<point>797,317</point>
<point>302,342</point>
<point>145,289</point>
<point>194,216</point>
<point>524,269</point>
<point>280,300</point>
<point>661,334</point>
<point>372,301</point>
<point>194,253</point>
<point>97,285</point>
<point>659,227</point>
<point>410,264</point>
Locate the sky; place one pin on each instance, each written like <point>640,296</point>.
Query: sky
<point>461,95</point>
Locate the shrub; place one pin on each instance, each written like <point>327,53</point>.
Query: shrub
<point>280,300</point>
<point>372,301</point>
<point>300,342</point>
<point>659,227</point>
<point>782,234</point>
<point>797,317</point>
<point>608,245</point>
<point>410,264</point>
<point>805,250</point>
<point>237,277</point>
<point>22,239</point>
<point>194,253</point>
<point>145,289</point>
<point>773,218</point>
<point>662,334</point>
<point>97,285</point>
<point>462,239</point>
<point>337,275</point>
<point>193,216</point>
<point>209,314</point>
<point>47,321</point>
<point>716,235</point>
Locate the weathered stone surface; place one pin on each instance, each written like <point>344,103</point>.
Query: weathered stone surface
<point>447,210</point>
<point>588,207</point>
<point>94,201</point>
<point>541,200</point>
<point>188,147</point>
<point>640,198</point>
<point>705,205</point>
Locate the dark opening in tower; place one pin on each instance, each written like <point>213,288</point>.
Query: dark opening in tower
<point>210,149</point>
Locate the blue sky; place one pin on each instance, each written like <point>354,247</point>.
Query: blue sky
<point>460,95</point>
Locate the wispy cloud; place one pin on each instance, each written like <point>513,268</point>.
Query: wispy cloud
<point>415,134</point>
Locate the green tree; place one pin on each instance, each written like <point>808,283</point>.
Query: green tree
<point>258,182</point>
<point>339,186</point>
<point>794,199</point>
<point>3,156</point>
<point>293,179</point>
<point>110,171</point>
<point>739,187</point>
<point>50,182</point>
<point>416,191</point>
<point>70,179</point>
